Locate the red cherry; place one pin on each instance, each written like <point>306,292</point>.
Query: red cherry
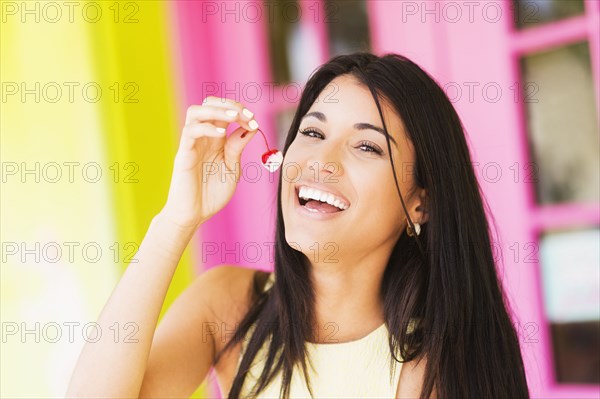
<point>272,158</point>
<point>266,155</point>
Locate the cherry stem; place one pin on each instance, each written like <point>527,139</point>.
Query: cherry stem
<point>267,144</point>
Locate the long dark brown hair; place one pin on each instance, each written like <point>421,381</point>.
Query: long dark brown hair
<point>446,276</point>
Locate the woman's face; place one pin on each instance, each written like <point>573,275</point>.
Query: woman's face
<point>340,151</point>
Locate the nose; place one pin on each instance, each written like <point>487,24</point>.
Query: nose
<point>324,166</point>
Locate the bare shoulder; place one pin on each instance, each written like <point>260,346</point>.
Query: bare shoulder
<point>412,375</point>
<point>230,290</point>
<point>218,290</point>
<point>185,344</point>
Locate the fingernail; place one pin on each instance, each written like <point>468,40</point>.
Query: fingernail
<point>248,113</point>
<point>221,129</point>
<point>253,124</point>
<point>231,112</point>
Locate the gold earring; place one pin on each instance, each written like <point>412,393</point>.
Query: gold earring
<point>410,232</point>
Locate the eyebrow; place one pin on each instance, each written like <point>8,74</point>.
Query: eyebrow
<point>358,126</point>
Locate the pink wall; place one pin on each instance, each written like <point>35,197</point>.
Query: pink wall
<point>225,59</point>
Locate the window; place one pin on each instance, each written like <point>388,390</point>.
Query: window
<point>570,262</point>
<point>530,13</point>
<point>561,129</point>
<point>347,26</point>
<point>562,125</point>
<point>283,20</point>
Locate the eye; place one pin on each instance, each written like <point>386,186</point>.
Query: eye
<point>308,131</point>
<point>371,147</point>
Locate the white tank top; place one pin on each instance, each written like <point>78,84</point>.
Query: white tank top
<point>355,369</point>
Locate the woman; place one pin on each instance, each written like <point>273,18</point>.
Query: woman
<point>400,256</point>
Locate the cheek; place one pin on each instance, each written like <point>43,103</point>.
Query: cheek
<point>292,155</point>
<point>381,213</point>
<point>378,215</point>
<point>378,198</point>
<point>378,194</point>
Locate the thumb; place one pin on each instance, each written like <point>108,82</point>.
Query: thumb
<point>235,144</point>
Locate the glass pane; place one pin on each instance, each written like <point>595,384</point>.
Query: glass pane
<point>558,92</point>
<point>570,269</point>
<point>576,347</point>
<point>570,262</point>
<point>535,12</point>
<point>302,52</point>
<point>284,19</point>
<point>347,26</point>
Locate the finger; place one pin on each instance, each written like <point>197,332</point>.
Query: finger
<point>194,131</point>
<point>235,144</point>
<point>245,115</point>
<point>202,113</point>
<point>229,104</point>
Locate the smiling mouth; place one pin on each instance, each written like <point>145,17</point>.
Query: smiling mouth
<point>324,205</point>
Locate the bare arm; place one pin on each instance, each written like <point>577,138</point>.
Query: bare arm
<point>191,331</point>
<point>115,369</point>
<point>411,380</point>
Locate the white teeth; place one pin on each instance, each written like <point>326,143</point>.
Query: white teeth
<point>311,193</point>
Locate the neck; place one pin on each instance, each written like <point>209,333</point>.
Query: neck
<point>347,300</point>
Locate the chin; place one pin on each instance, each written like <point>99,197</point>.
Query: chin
<point>318,247</point>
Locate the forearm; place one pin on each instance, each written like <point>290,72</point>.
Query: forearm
<point>116,369</point>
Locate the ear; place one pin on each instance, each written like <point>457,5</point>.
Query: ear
<point>423,207</point>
